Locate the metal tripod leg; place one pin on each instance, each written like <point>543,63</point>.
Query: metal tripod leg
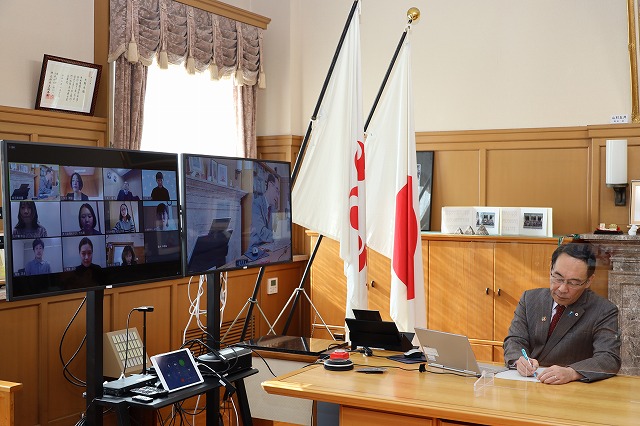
<point>248,303</point>
<point>296,293</point>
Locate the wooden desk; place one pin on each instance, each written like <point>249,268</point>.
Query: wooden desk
<point>410,398</point>
<point>7,401</point>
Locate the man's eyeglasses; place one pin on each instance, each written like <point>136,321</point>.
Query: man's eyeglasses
<point>558,280</point>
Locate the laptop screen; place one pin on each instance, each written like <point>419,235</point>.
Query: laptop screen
<point>177,370</point>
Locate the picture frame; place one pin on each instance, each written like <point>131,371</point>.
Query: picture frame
<point>634,211</point>
<point>424,160</point>
<point>196,167</point>
<point>68,85</point>
<point>213,171</point>
<point>222,174</point>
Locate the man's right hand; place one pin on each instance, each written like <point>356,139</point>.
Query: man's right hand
<point>525,368</point>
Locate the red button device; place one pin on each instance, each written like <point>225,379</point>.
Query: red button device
<point>339,354</point>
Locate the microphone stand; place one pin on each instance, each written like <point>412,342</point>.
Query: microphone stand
<point>144,342</point>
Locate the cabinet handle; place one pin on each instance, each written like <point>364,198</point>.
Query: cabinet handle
<point>372,283</point>
<point>499,292</point>
<point>486,290</point>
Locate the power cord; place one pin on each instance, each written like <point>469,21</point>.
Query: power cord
<point>68,375</point>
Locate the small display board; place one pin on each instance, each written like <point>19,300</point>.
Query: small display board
<point>115,352</point>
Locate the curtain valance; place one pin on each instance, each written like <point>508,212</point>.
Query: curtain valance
<point>177,33</point>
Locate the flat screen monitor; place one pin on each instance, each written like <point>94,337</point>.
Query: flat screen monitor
<point>237,213</point>
<point>77,218</point>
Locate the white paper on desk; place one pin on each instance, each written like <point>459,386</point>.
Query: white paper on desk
<point>514,375</point>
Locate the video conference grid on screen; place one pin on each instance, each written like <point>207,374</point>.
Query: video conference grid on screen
<point>94,214</point>
<point>76,225</point>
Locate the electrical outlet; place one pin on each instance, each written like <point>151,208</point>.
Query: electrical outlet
<point>619,118</point>
<point>272,285</point>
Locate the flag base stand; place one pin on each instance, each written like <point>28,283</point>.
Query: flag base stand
<point>249,304</point>
<point>296,294</point>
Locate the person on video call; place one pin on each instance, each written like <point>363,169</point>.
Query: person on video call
<point>567,328</point>
<point>163,223</point>
<point>46,184</point>
<point>125,222</point>
<point>125,195</point>
<point>87,220</point>
<point>85,249</point>
<point>160,193</point>
<point>261,211</point>
<point>76,188</point>
<point>128,256</point>
<point>37,265</point>
<point>28,225</point>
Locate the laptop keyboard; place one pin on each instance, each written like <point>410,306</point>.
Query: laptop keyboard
<point>149,391</point>
<point>491,368</point>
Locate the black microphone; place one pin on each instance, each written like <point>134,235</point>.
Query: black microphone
<point>144,309</point>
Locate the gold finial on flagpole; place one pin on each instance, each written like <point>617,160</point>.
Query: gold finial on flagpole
<point>413,14</point>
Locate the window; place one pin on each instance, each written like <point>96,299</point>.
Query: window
<point>188,113</point>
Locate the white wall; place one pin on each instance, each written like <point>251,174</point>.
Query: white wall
<point>477,64</point>
<point>31,28</point>
<point>485,64</point>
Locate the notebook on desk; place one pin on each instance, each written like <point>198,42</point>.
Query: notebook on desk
<point>452,352</point>
<point>177,370</point>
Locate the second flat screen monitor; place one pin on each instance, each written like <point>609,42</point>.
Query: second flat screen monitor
<point>237,213</point>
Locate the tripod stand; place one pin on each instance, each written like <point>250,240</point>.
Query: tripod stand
<point>249,304</point>
<point>295,296</point>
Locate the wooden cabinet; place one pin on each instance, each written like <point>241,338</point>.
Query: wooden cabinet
<point>475,285</point>
<point>472,284</point>
<point>461,287</point>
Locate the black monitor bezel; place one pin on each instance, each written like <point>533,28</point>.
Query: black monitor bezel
<point>185,168</point>
<point>44,153</point>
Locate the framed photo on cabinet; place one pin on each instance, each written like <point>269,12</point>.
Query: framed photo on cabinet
<point>425,178</point>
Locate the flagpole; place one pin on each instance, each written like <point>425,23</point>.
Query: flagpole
<point>296,168</point>
<point>300,157</point>
<point>413,14</point>
<point>305,141</point>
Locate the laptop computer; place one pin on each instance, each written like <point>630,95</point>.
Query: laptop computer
<point>452,352</point>
<point>177,370</point>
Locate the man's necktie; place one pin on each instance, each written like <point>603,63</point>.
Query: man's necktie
<point>556,318</point>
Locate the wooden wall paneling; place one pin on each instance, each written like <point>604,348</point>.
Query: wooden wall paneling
<point>456,181</point>
<point>158,321</point>
<point>518,267</point>
<point>54,127</point>
<point>459,273</point>
<point>530,178</point>
<point>272,304</point>
<point>63,400</point>
<point>328,287</point>
<point>483,352</point>
<point>20,351</point>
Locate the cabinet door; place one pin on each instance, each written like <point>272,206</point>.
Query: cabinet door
<point>461,288</point>
<point>379,272</point>
<point>519,267</point>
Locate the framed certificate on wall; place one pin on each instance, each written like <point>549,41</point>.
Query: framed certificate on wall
<point>68,85</point>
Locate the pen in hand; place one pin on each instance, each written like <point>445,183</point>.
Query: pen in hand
<point>524,354</point>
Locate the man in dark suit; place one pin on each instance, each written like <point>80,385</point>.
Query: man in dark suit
<point>583,343</point>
